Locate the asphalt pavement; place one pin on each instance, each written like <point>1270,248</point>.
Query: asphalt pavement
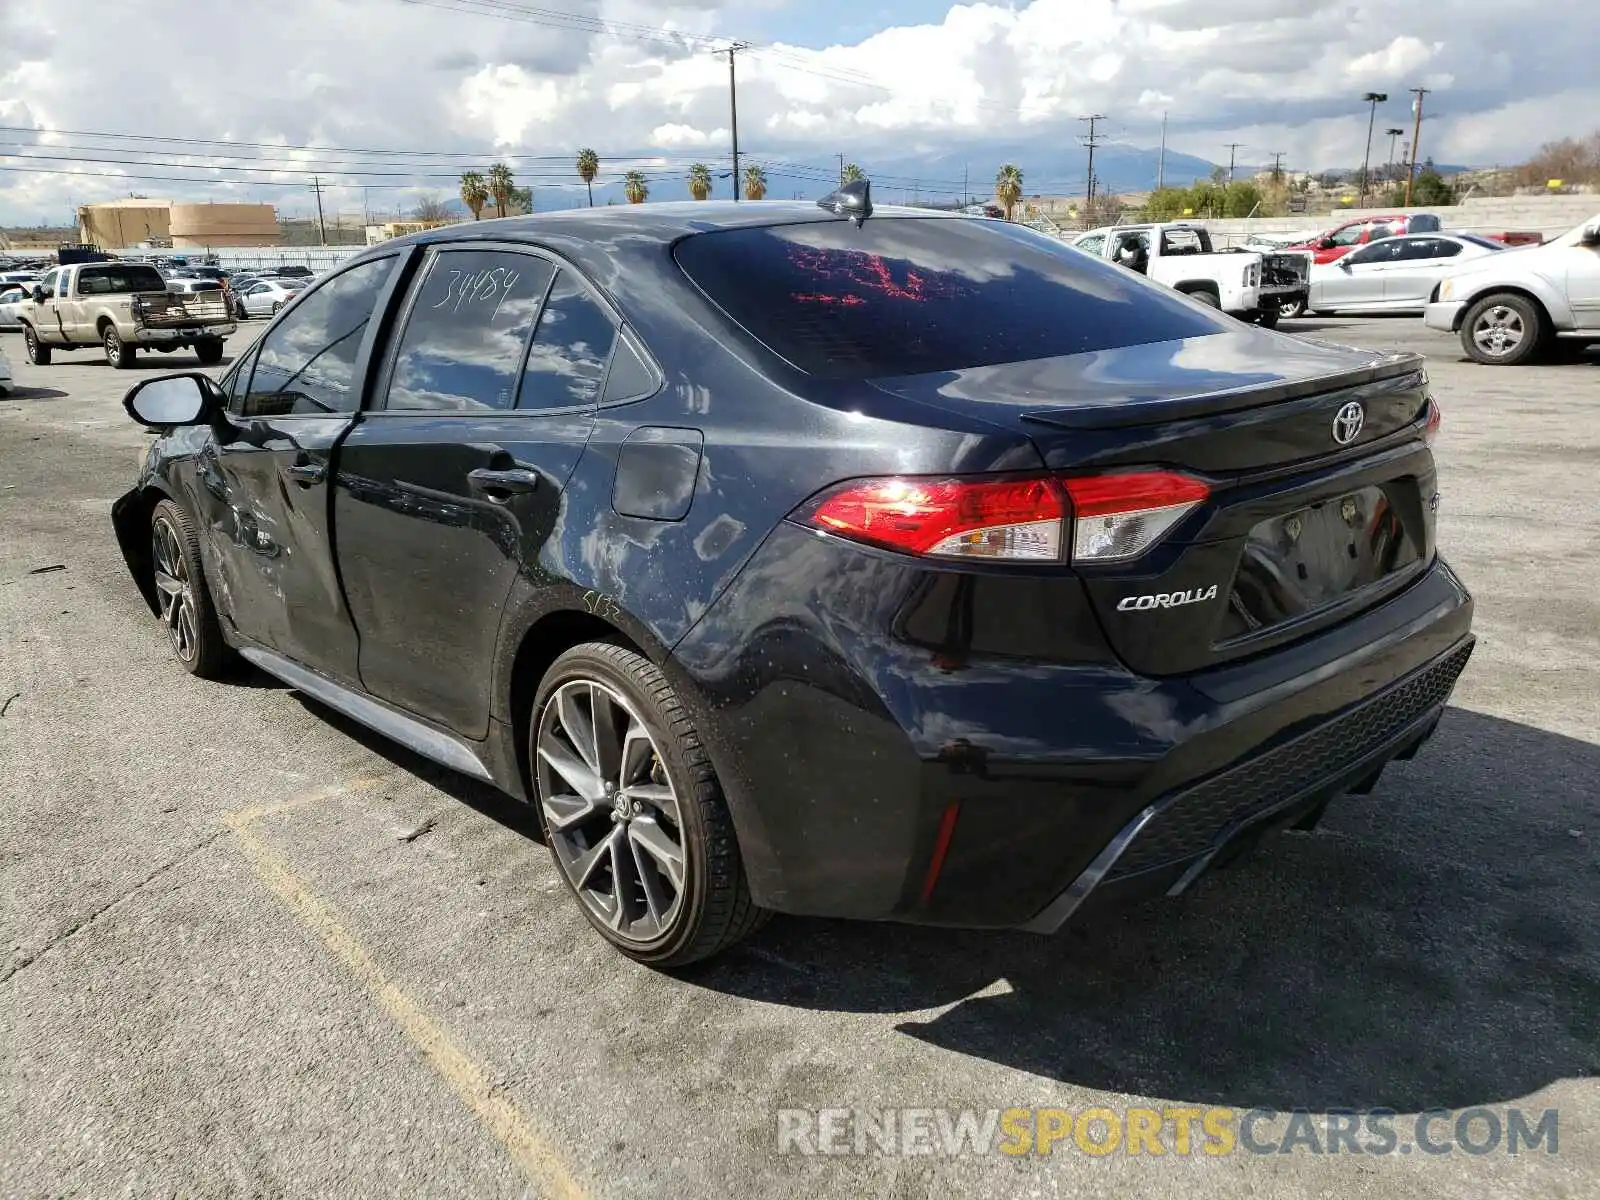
<point>252,950</point>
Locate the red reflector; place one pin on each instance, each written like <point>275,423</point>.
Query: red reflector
<point>1105,495</point>
<point>941,847</point>
<point>1435,419</point>
<point>1022,516</point>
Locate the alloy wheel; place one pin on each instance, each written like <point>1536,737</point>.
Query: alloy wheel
<point>611,810</point>
<point>1499,330</point>
<point>174,589</point>
<point>113,347</point>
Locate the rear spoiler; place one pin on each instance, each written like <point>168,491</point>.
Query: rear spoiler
<point>1128,411</point>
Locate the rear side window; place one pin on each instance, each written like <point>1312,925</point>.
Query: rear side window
<point>567,361</point>
<point>103,281</point>
<point>907,295</point>
<point>463,343</point>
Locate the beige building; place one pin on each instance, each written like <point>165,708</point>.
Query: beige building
<point>126,222</point>
<point>136,220</point>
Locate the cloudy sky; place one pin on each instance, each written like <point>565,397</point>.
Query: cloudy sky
<point>394,96</point>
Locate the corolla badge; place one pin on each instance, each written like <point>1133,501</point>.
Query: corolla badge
<point>1166,599</point>
<point>1347,423</point>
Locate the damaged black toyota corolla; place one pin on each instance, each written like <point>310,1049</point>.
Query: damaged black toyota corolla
<point>890,565</point>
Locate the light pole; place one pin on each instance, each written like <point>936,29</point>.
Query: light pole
<point>1374,99</point>
<point>1393,133</point>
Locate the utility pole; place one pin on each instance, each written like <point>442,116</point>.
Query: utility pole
<point>966,195</point>
<point>1374,99</point>
<point>841,170</point>
<point>733,108</point>
<point>1277,166</point>
<point>1091,142</point>
<point>1416,141</point>
<point>322,226</point>
<point>1161,160</point>
<point>1233,150</point>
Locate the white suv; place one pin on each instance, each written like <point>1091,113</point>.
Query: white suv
<point>1508,307</point>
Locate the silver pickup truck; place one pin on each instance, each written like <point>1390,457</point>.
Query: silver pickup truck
<point>122,308</point>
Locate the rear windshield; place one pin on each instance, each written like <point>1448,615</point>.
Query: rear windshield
<point>907,295</point>
<point>130,277</point>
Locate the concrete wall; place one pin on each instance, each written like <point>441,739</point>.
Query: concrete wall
<point>1549,215</point>
<point>122,224</point>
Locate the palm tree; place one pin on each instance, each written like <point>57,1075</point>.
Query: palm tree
<point>588,168</point>
<point>501,183</point>
<point>474,193</point>
<point>850,174</point>
<point>1008,187</point>
<point>700,181</point>
<point>635,188</point>
<point>755,183</point>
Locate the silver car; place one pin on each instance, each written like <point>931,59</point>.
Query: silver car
<point>1394,274</point>
<point>12,299</point>
<point>264,297</point>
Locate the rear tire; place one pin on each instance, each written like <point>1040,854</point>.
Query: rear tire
<point>1503,330</point>
<point>1267,317</point>
<point>1209,299</point>
<point>118,353</point>
<point>185,601</point>
<point>1292,308</point>
<point>209,351</point>
<point>629,798</point>
<point>38,353</point>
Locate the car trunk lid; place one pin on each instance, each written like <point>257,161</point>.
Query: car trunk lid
<point>1313,514</point>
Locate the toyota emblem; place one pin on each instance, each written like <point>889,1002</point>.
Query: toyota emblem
<point>1347,423</point>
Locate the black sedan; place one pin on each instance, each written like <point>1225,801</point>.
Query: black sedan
<point>878,564</point>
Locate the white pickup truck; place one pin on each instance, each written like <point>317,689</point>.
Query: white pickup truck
<point>1248,284</point>
<point>122,307</point>
<point>1509,307</point>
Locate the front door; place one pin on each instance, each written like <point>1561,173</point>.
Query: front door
<point>264,480</point>
<point>49,326</point>
<point>1356,280</point>
<point>1423,261</point>
<point>454,482</point>
<point>1583,285</point>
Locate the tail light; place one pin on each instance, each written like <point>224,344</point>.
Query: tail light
<point>1034,518</point>
<point>1435,419</point>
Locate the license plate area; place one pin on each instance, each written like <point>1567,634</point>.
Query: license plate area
<point>1320,556</point>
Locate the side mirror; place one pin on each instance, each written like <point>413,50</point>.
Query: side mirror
<point>1326,243</point>
<point>1344,264</point>
<point>170,400</point>
<point>1591,234</point>
<point>38,295</point>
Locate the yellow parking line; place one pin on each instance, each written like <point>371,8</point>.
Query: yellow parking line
<point>248,816</point>
<point>465,1077</point>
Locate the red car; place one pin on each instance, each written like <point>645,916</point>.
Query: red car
<point>1341,239</point>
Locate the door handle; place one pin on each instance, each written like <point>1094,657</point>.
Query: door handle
<point>305,474</point>
<point>498,485</point>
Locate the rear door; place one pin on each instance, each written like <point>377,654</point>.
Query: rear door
<point>454,482</point>
<point>1421,264</point>
<point>265,486</point>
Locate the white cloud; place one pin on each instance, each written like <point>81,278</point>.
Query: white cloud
<point>1275,74</point>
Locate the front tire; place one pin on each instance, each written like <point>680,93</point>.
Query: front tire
<point>38,353</point>
<point>633,814</point>
<point>183,598</point>
<point>118,353</point>
<point>1503,330</point>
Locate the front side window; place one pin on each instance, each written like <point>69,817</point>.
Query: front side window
<point>1368,255</point>
<point>307,364</point>
<point>48,283</point>
<point>1348,236</point>
<point>567,361</point>
<point>464,340</point>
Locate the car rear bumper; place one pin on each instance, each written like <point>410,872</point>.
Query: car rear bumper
<point>870,778</point>
<point>1444,315</point>
<point>146,336</point>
